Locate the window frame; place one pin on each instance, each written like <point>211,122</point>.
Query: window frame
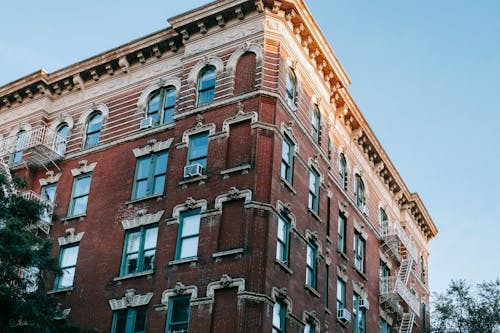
<point>341,291</point>
<point>171,304</point>
<point>154,157</point>
<point>341,233</point>
<point>163,107</point>
<point>140,251</point>
<point>131,315</point>
<point>359,191</point>
<point>358,315</point>
<point>313,198</point>
<point>17,155</point>
<point>86,143</point>
<point>359,252</point>
<point>61,140</point>
<point>47,211</point>
<point>285,243</point>
<point>342,170</point>
<point>311,267</point>
<point>181,238</point>
<point>281,308</point>
<point>316,123</point>
<point>310,327</point>
<point>287,163</point>
<point>291,89</point>
<point>203,158</point>
<point>59,277</point>
<point>73,198</point>
<point>210,89</point>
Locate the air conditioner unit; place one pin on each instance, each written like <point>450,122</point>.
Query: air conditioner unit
<point>343,315</point>
<point>366,211</point>
<point>364,304</point>
<point>193,170</point>
<point>147,122</point>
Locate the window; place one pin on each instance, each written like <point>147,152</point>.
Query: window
<point>359,316</point>
<point>198,149</point>
<point>359,252</point>
<point>291,89</point>
<point>279,317</point>
<point>17,155</point>
<point>384,326</point>
<point>382,220</point>
<point>282,246</point>
<point>206,85</point>
<point>150,172</point>
<point>384,270</point>
<point>311,265</point>
<point>131,320</point>
<point>79,195</point>
<point>93,130</point>
<point>359,191</point>
<point>48,193</point>
<point>178,314</point>
<point>422,269</point>
<point>67,262</point>
<point>424,318</point>
<point>161,105</point>
<point>60,139</point>
<point>341,244</point>
<point>139,250</point>
<point>287,160</point>
<point>187,239</point>
<point>340,294</point>
<point>309,328</point>
<point>342,171</point>
<point>316,123</point>
<point>313,191</point>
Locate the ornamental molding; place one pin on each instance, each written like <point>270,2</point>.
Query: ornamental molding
<point>83,168</point>
<point>342,273</point>
<point>246,47</point>
<point>360,229</point>
<point>233,194</point>
<point>178,290</point>
<point>225,282</point>
<point>281,295</point>
<point>189,204</point>
<point>96,106</point>
<point>152,146</point>
<point>50,178</point>
<point>131,299</point>
<point>142,102</point>
<point>23,126</point>
<point>313,238</point>
<point>142,219</point>
<point>198,128</point>
<point>311,317</point>
<point>359,288</point>
<point>240,116</point>
<point>70,237</point>
<point>60,119</point>
<point>287,130</point>
<point>205,61</point>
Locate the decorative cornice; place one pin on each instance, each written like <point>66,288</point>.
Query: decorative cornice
<point>84,168</point>
<point>131,299</point>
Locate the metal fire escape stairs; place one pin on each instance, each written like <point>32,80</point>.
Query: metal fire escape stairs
<point>404,275</point>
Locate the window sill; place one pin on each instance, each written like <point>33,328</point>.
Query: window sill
<point>73,217</point>
<point>283,266</point>
<point>360,273</point>
<point>183,261</point>
<point>288,186</point>
<point>134,275</point>
<point>315,215</point>
<point>243,168</point>
<point>228,253</point>
<point>133,201</point>
<point>67,290</point>
<point>311,290</point>
<point>327,310</point>
<point>200,179</point>
<point>329,240</point>
<point>343,323</point>
<point>343,255</point>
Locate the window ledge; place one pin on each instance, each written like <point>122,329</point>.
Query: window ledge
<point>228,253</point>
<point>315,215</point>
<point>243,168</point>
<point>133,201</point>
<point>288,185</point>
<point>343,255</point>
<point>311,290</point>
<point>283,266</point>
<point>74,217</point>
<point>343,323</point>
<point>68,290</point>
<point>329,240</point>
<point>133,275</point>
<point>186,181</point>
<point>360,273</point>
<point>183,261</point>
<point>327,310</point>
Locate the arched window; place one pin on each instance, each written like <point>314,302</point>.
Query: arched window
<point>359,191</point>
<point>60,139</point>
<point>161,105</point>
<point>206,85</point>
<point>291,89</point>
<point>342,171</point>
<point>17,155</point>
<point>244,78</point>
<point>316,123</point>
<point>93,130</point>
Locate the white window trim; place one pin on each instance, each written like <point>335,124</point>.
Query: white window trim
<point>142,219</point>
<point>188,205</point>
<point>131,299</point>
<point>233,194</point>
<point>70,237</point>
<point>96,107</point>
<point>152,146</point>
<point>179,290</point>
<point>84,168</point>
<point>142,102</point>
<point>225,282</point>
<point>206,61</point>
<point>236,55</point>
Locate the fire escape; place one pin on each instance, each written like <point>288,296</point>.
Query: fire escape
<point>35,148</point>
<point>394,289</point>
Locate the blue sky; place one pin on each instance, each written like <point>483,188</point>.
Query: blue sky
<point>426,75</point>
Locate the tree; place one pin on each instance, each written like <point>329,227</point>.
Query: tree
<point>463,310</point>
<point>24,260</point>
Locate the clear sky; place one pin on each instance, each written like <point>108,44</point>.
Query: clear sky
<point>426,75</point>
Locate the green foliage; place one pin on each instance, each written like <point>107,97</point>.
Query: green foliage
<point>463,310</point>
<point>24,303</point>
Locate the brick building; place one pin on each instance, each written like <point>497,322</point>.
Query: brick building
<point>216,176</point>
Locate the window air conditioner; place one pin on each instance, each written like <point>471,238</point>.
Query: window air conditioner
<point>364,304</point>
<point>193,170</point>
<point>343,315</point>
<point>147,122</point>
